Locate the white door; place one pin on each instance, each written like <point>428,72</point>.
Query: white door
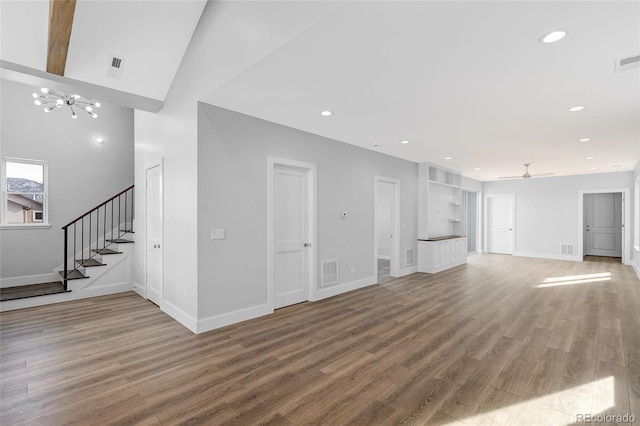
<point>500,223</point>
<point>603,224</point>
<point>154,233</point>
<point>291,214</point>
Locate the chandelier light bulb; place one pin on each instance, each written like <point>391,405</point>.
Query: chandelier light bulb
<point>97,104</point>
<point>99,139</point>
<point>51,99</point>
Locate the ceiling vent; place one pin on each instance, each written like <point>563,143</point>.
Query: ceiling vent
<point>114,67</point>
<point>628,63</point>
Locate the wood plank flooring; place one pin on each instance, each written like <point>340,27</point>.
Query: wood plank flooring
<point>501,340</point>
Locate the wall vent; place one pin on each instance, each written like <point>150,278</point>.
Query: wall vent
<point>114,66</point>
<point>408,257</point>
<point>567,249</point>
<point>329,272</point>
<point>628,63</point>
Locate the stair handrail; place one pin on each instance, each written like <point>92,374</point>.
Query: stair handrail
<point>81,218</point>
<point>97,207</point>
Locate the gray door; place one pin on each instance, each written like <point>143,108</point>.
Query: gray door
<point>603,224</point>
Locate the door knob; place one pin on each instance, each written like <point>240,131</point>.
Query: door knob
<point>307,244</point>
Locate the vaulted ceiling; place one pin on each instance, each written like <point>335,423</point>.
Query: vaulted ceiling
<point>468,81</point>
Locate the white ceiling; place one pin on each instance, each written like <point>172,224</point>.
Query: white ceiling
<point>462,79</point>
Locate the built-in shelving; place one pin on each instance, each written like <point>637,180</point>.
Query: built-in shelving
<point>440,215</point>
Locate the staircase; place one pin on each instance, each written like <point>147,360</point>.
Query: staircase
<point>95,257</point>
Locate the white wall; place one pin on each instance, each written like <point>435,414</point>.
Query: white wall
<point>384,200</point>
<point>232,194</point>
<point>221,47</point>
<point>82,173</point>
<point>547,208</point>
<point>635,256</point>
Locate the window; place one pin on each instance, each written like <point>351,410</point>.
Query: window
<point>24,193</point>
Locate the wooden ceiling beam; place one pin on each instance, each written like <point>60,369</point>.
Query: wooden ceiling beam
<point>60,23</point>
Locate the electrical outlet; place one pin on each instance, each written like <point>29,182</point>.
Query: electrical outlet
<point>217,234</point>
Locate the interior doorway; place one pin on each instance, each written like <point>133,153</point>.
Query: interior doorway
<point>292,229</point>
<point>386,226</point>
<point>608,210</point>
<point>470,201</point>
<point>602,234</point>
<point>500,223</point>
<point>154,245</point>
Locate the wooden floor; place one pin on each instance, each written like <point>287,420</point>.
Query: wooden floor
<point>501,340</point>
<point>33,290</point>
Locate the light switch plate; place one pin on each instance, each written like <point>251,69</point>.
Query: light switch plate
<point>217,234</point>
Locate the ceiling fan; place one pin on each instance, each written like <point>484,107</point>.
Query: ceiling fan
<point>526,174</point>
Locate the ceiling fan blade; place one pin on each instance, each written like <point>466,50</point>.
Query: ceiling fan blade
<point>542,174</point>
<point>510,177</point>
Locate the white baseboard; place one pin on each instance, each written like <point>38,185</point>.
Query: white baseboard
<point>436,269</point>
<point>29,279</point>
<point>139,289</point>
<point>408,271</point>
<point>343,288</point>
<point>548,256</point>
<point>11,305</point>
<point>179,315</point>
<point>636,267</point>
<point>222,320</point>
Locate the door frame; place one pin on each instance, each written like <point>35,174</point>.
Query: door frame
<point>485,221</point>
<point>312,224</point>
<point>394,270</point>
<point>626,219</point>
<point>160,164</point>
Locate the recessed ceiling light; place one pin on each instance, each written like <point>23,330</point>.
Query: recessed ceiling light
<point>477,169</point>
<point>326,113</point>
<point>447,158</point>
<point>590,158</point>
<point>616,165</point>
<point>576,108</point>
<point>585,140</point>
<point>99,140</point>
<point>552,36</point>
<point>594,168</point>
<point>404,142</point>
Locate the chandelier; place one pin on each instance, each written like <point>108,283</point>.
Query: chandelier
<point>51,100</point>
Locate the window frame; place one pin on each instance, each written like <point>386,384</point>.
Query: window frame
<point>44,223</point>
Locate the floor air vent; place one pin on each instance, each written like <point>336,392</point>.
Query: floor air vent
<point>329,273</point>
<point>408,257</point>
<point>567,249</point>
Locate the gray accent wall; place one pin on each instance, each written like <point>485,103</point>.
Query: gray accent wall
<point>232,194</point>
<point>82,173</point>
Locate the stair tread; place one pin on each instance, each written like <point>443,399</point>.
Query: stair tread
<point>121,241</point>
<point>90,262</point>
<point>106,251</point>
<point>74,275</point>
<point>128,231</point>
<point>31,290</point>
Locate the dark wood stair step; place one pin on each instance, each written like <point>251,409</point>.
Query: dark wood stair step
<point>128,231</point>
<point>89,263</point>
<point>32,290</point>
<point>74,275</point>
<point>106,251</point>
<point>121,241</point>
